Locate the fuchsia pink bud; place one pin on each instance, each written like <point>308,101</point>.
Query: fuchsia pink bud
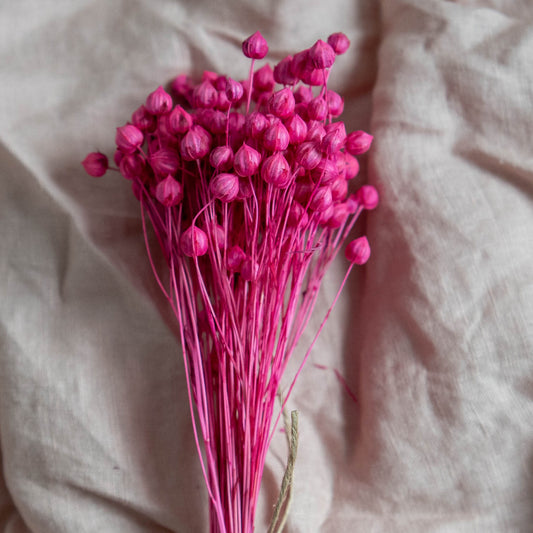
<point>169,192</point>
<point>159,102</point>
<point>164,161</point>
<point>321,55</point>
<point>368,197</point>
<point>313,76</point>
<point>335,103</point>
<point>297,129</point>
<point>95,164</point>
<point>282,103</point>
<point>143,119</point>
<point>255,46</point>
<point>317,108</point>
<point>133,166</point>
<point>338,217</point>
<point>129,138</point>
<point>194,242</point>
<point>276,171</point>
<point>358,142</point>
<point>325,172</point>
<point>256,124</point>
<point>221,158</point>
<point>179,121</point>
<point>358,251</point>
<point>300,62</point>
<point>205,95</point>
<point>224,187</point>
<point>308,155</point>
<point>334,139</point>
<point>276,137</point>
<point>348,165</point>
<point>181,85</point>
<point>339,42</point>
<point>315,131</point>
<point>283,72</point>
<point>195,144</point>
<point>321,199</point>
<point>264,78</point>
<point>234,258</point>
<point>246,161</point>
<point>339,189</point>
<point>303,94</point>
<point>234,90</point>
<point>297,215</point>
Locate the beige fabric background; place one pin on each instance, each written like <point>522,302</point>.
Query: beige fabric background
<point>435,335</point>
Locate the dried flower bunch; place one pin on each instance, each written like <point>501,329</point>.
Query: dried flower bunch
<point>245,185</point>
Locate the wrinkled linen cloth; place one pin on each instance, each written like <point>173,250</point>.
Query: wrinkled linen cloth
<point>434,335</point>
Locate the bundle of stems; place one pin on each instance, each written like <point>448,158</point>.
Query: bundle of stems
<point>245,187</point>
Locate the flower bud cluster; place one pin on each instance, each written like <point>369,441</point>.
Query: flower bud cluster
<point>246,186</point>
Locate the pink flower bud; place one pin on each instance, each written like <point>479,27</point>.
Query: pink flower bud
<point>117,157</point>
<point>282,103</point>
<point>95,164</point>
<point>210,76</point>
<point>255,46</point>
<point>234,90</point>
<point>221,158</point>
<point>205,95</point>
<point>169,192</point>
<point>159,102</point>
<point>303,94</point>
<point>339,189</point>
<point>317,108</point>
<point>143,119</point>
<point>297,215</point>
<point>195,144</point>
<point>181,85</point>
<point>300,62</point>
<point>212,120</point>
<point>358,251</point>
<point>325,172</point>
<point>315,131</point>
<point>249,269</point>
<point>164,161</point>
<point>223,104</point>
<point>194,242</point>
<point>129,138</point>
<point>218,235</point>
<point>325,216</point>
<point>308,155</point>
<point>276,137</point>
<point>297,129</point>
<point>334,139</point>
<point>352,204</point>
<point>367,196</point>
<point>133,166</point>
<point>335,103</point>
<point>256,124</point>
<point>283,72</point>
<point>264,78</point>
<point>321,199</point>
<point>236,124</point>
<point>358,142</point>
<point>313,76</point>
<point>234,258</point>
<point>321,55</point>
<point>179,121</point>
<point>246,161</point>
<point>339,42</point>
<point>276,171</point>
<point>338,217</point>
<point>348,166</point>
<point>224,187</point>
<point>303,190</point>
